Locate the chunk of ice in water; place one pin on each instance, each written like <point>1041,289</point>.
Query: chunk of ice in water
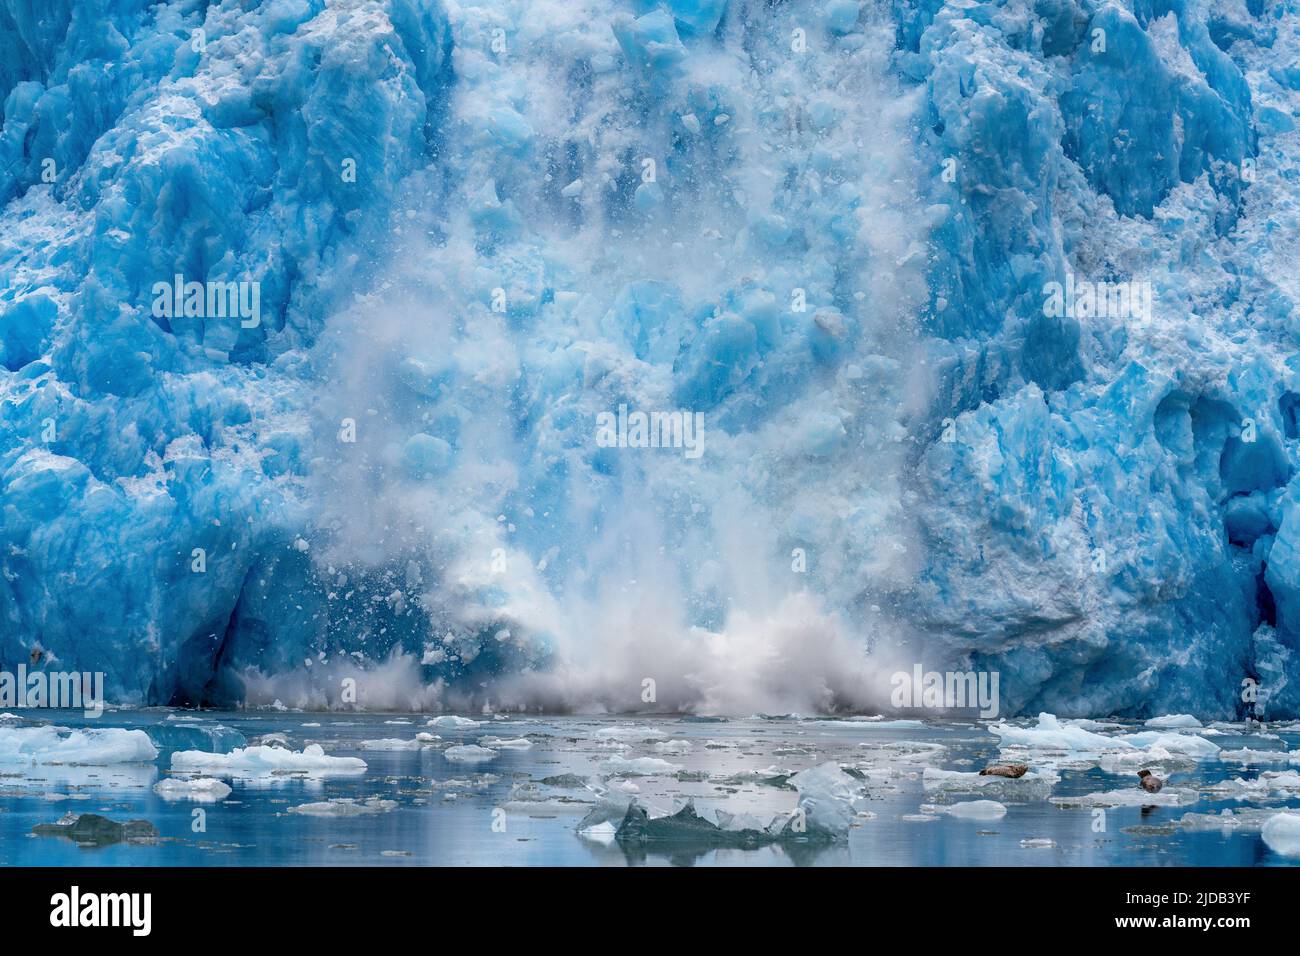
<point>1282,834</point>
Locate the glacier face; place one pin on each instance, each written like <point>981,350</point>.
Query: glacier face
<point>826,227</point>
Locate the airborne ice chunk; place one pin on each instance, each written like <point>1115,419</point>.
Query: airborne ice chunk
<point>263,761</point>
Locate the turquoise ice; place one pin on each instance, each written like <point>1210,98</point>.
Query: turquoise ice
<point>827,226</point>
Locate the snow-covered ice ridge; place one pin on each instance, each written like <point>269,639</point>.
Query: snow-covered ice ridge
<point>828,227</point>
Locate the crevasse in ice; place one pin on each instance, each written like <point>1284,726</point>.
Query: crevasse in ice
<point>828,227</point>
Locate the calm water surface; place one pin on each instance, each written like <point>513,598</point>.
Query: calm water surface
<point>500,812</point>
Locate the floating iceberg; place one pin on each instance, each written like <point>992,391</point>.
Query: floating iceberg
<point>200,790</point>
<point>637,767</point>
<point>1282,834</point>
<point>345,807</point>
<point>469,753</point>
<point>263,761</point>
<point>60,745</point>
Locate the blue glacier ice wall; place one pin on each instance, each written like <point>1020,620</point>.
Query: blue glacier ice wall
<point>827,227</point>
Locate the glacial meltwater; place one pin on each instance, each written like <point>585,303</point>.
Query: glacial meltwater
<point>260,787</point>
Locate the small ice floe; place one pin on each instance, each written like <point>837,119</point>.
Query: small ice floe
<point>629,732</point>
<point>345,807</point>
<point>769,777</point>
<point>602,833</point>
<point>637,767</point>
<point>1247,757</point>
<point>96,747</point>
<point>427,738</point>
<point>1051,734</point>
<point>565,781</point>
<point>1270,785</point>
<point>1227,821</point>
<point>1190,745</point>
<point>200,790</point>
<point>1282,834</point>
<point>969,810</point>
<point>1173,722</point>
<point>905,756</point>
<point>263,761</point>
<point>673,747</point>
<point>826,795</point>
<point>1038,843</point>
<point>1134,797</point>
<point>1152,758</point>
<point>271,740</point>
<point>1034,785</point>
<point>514,743</point>
<point>469,753</point>
<point>823,814</point>
<point>478,781</point>
<point>452,722</point>
<point>391,743</point>
<point>397,720</point>
<point>868,723</point>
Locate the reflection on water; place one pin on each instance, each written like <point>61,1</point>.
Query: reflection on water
<point>414,806</point>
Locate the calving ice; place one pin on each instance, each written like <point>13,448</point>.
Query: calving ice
<point>675,429</point>
<point>208,300</point>
<point>946,690</point>
<point>73,909</point>
<point>69,690</point>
